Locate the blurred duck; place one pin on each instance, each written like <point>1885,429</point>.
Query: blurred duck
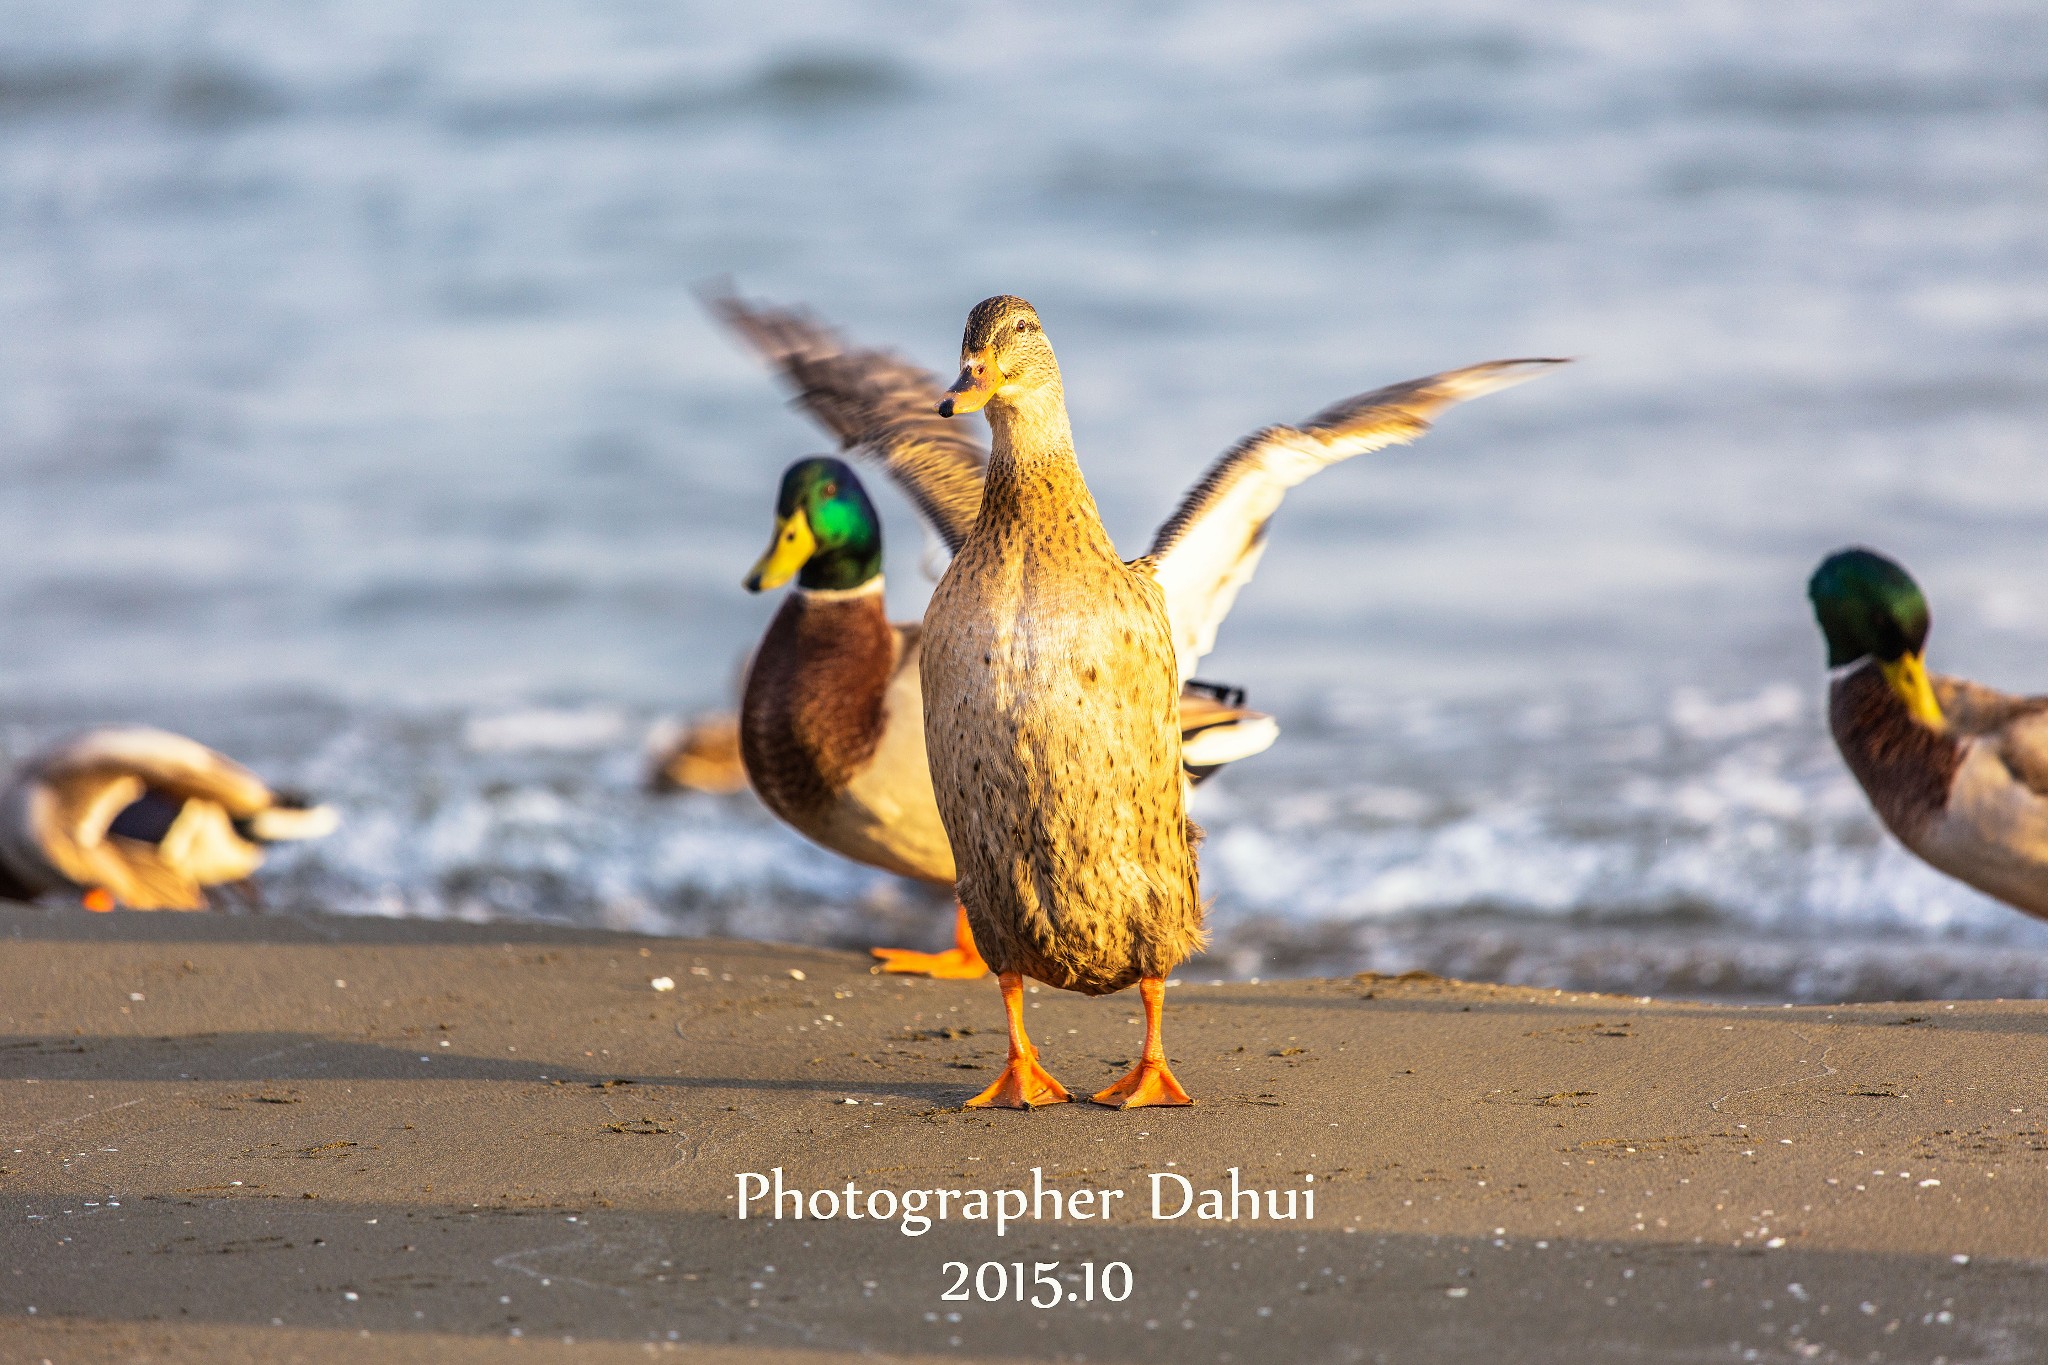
<point>702,755</point>
<point>140,818</point>
<point>1051,665</point>
<point>1957,771</point>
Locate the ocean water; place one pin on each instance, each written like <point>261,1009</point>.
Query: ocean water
<point>358,415</point>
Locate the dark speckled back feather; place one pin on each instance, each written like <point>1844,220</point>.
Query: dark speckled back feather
<point>878,406</point>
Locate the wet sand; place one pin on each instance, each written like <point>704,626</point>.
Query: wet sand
<point>493,1140</point>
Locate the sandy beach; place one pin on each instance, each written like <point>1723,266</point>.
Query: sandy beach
<point>269,1139</point>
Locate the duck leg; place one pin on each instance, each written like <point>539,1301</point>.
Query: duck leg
<point>1024,1082</point>
<point>1150,1081</point>
<point>961,962</point>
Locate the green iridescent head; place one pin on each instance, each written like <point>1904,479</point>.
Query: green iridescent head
<point>1868,607</point>
<point>826,531</point>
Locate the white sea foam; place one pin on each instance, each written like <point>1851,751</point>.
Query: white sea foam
<point>567,731</point>
<point>1754,870</point>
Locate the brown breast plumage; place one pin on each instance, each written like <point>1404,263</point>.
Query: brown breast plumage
<point>1053,728</point>
<point>1905,768</point>
<point>813,709</point>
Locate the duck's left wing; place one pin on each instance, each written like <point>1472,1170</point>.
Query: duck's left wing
<point>1210,546</point>
<point>878,406</point>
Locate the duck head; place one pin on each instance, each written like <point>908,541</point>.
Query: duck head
<point>1003,355</point>
<point>826,531</point>
<point>1870,608</point>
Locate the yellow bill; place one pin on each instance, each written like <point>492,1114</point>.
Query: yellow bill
<point>979,378</point>
<point>791,550</point>
<point>1908,677</point>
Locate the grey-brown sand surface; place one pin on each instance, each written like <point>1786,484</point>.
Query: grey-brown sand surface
<point>330,1139</point>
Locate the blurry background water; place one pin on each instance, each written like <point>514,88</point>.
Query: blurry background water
<point>357,415</point>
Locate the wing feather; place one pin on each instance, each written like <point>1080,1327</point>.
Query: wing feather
<point>2025,751</point>
<point>1210,547</point>
<point>160,760</point>
<point>2016,727</point>
<point>876,404</point>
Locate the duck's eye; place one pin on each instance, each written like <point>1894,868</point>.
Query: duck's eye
<point>830,490</point>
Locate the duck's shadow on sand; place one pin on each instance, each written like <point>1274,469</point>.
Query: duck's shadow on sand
<point>288,1057</point>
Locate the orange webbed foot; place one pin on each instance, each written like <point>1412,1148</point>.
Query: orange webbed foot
<point>1023,1084</point>
<point>1149,1083</point>
<point>961,962</point>
<point>955,964</point>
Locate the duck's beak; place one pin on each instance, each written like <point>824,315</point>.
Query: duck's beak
<point>1908,677</point>
<point>979,378</point>
<point>790,551</point>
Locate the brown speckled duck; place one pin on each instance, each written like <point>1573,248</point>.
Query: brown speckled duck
<point>832,721</point>
<point>141,818</point>
<point>1957,771</point>
<point>1051,668</point>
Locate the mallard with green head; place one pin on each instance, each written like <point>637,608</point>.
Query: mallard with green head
<point>1051,668</point>
<point>831,725</point>
<point>1957,771</point>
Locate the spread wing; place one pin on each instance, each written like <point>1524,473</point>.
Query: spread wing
<point>1210,546</point>
<point>877,405</point>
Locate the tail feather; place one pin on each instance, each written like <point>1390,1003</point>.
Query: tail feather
<point>1226,742</point>
<point>290,824</point>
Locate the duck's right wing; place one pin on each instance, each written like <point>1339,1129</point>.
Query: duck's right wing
<point>878,406</point>
<point>1208,549</point>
